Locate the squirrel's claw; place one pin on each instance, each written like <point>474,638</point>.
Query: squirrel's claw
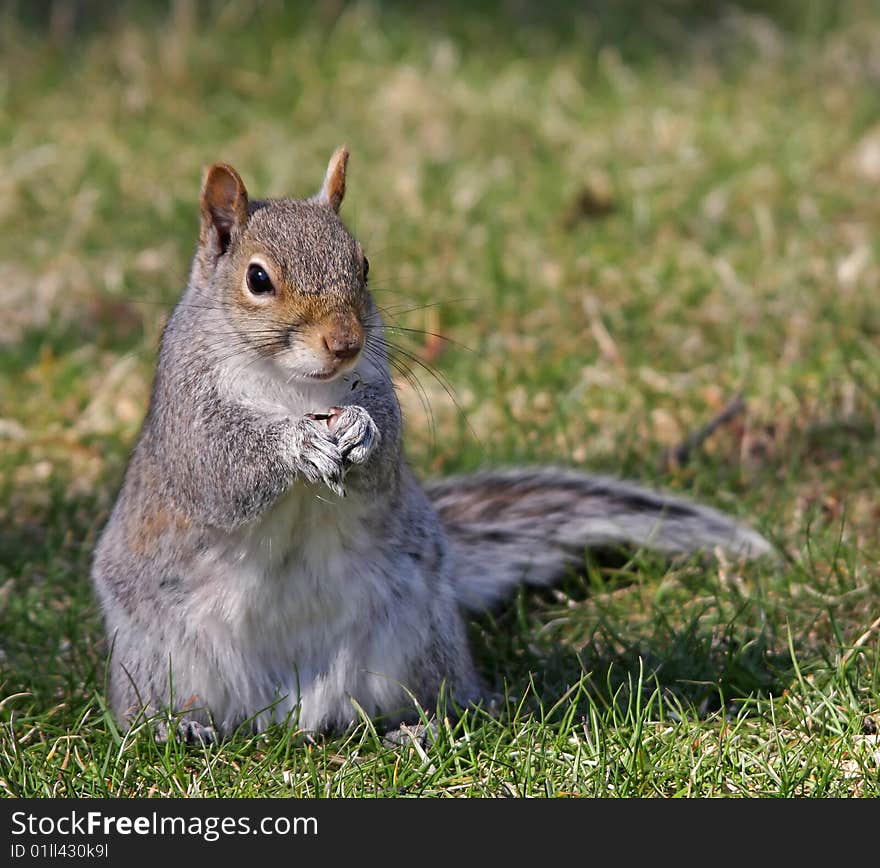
<point>318,457</point>
<point>355,431</point>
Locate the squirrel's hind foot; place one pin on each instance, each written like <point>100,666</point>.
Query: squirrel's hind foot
<point>186,731</point>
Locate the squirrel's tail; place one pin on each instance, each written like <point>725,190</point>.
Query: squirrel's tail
<point>528,526</point>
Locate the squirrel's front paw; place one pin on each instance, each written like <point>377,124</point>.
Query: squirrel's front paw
<point>355,432</point>
<point>318,456</point>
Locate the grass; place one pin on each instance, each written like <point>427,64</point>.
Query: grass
<point>621,219</point>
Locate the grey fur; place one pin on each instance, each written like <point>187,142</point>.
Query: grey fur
<point>271,557</point>
<point>510,527</point>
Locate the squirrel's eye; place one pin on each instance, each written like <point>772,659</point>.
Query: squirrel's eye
<point>258,281</point>
<point>366,268</point>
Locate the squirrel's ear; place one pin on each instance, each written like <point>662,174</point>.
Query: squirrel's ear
<point>224,205</point>
<point>333,190</point>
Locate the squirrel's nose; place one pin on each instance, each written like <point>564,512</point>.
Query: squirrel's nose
<point>342,344</point>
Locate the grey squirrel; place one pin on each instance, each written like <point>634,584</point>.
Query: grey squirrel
<point>271,556</point>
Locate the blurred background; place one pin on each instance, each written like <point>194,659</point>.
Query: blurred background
<point>620,214</point>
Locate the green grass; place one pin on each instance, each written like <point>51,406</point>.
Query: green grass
<point>734,151</point>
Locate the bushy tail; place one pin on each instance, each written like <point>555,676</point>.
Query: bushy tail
<point>528,526</point>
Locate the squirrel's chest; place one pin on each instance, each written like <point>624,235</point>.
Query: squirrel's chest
<point>311,559</point>
<point>297,607</point>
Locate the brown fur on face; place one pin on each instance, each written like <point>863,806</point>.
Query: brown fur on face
<point>320,300</point>
<point>316,269</point>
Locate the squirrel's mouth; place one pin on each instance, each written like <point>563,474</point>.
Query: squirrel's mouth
<point>333,372</point>
<point>312,369</point>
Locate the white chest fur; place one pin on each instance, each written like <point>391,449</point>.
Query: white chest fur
<point>289,614</point>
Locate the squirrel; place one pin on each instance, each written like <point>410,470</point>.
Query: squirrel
<point>271,556</point>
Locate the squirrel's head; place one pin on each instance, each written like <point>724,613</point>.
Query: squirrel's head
<point>288,274</point>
